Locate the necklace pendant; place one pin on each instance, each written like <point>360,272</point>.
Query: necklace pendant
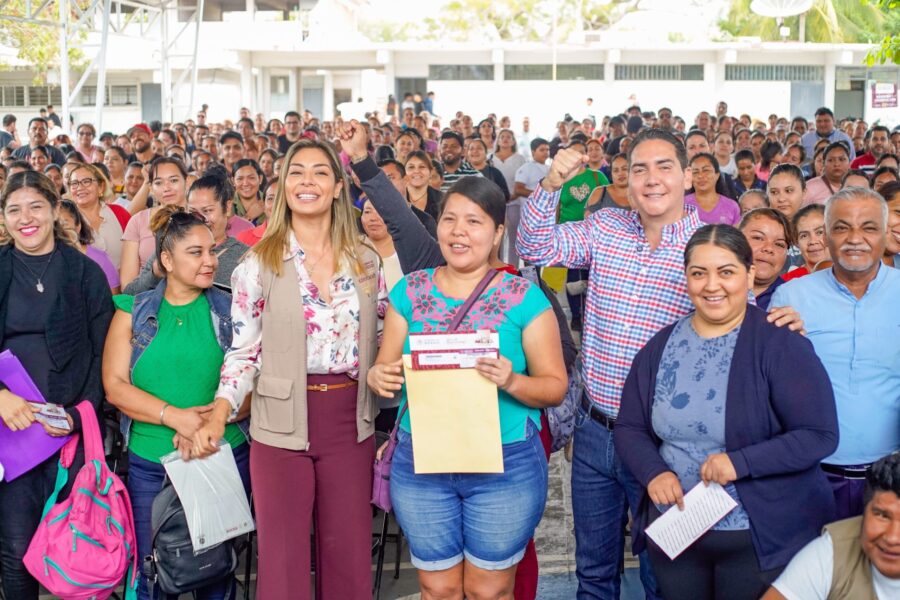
<point>40,287</point>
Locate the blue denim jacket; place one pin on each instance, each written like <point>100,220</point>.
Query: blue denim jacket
<point>144,326</point>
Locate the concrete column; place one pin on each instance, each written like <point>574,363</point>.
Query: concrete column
<point>498,58</point>
<point>830,78</point>
<point>246,61</point>
<point>262,95</point>
<point>390,77</point>
<point>295,92</point>
<point>328,97</point>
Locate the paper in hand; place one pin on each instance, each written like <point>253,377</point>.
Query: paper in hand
<point>704,506</point>
<point>53,415</point>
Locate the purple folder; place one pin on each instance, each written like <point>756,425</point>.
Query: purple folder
<point>21,451</point>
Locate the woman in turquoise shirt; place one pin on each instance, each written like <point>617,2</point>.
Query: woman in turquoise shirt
<point>467,532</point>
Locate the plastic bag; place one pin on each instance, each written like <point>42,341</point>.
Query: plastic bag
<point>212,495</point>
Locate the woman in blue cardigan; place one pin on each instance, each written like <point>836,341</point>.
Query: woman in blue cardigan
<point>723,396</point>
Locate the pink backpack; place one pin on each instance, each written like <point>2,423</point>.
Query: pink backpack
<point>85,545</point>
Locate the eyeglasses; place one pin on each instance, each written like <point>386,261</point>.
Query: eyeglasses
<point>85,134</point>
<point>75,183</point>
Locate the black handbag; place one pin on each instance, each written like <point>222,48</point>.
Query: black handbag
<point>173,566</point>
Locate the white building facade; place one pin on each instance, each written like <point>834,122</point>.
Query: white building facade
<point>274,61</point>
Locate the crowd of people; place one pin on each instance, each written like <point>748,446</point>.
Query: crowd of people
<point>729,307</point>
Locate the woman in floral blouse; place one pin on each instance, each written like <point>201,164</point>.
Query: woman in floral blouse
<point>468,532</point>
<point>308,302</point>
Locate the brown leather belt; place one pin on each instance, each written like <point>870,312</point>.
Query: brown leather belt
<point>327,387</point>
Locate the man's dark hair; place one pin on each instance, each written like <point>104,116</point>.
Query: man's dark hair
<point>292,113</point>
<point>37,120</point>
<point>883,476</point>
<point>824,110</point>
<point>453,135</point>
<point>247,120</point>
<point>537,143</point>
<point>869,133</point>
<point>155,127</point>
<point>635,124</point>
<point>617,120</point>
<point>395,163</point>
<point>9,119</point>
<point>662,135</point>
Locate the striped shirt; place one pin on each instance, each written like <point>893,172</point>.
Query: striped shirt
<point>632,292</point>
<point>464,170</point>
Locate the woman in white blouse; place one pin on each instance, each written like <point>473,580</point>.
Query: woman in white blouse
<point>308,302</point>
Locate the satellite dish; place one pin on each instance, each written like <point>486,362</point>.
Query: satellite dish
<point>780,8</point>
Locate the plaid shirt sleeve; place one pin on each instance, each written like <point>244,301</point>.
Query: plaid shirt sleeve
<point>541,241</point>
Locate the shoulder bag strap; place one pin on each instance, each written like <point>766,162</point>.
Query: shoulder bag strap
<point>90,433</point>
<point>470,301</point>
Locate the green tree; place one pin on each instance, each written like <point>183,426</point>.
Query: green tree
<point>889,47</point>
<point>505,20</point>
<point>828,21</point>
<point>38,44</point>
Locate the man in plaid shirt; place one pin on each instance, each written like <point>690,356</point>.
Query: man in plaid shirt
<point>636,286</point>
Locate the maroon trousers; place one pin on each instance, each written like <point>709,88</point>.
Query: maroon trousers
<point>329,484</point>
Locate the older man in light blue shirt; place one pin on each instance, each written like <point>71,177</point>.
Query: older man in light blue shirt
<point>851,316</point>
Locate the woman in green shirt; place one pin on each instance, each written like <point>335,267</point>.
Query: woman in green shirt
<point>161,365</point>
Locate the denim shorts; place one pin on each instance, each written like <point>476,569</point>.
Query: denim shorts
<point>487,519</point>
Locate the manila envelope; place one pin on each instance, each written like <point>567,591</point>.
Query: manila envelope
<point>454,415</point>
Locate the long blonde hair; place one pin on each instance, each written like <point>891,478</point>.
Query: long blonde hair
<point>345,237</point>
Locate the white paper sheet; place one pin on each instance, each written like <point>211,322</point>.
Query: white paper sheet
<point>213,497</point>
<point>704,506</point>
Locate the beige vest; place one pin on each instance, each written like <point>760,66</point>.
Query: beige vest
<point>278,415</point>
<point>852,577</point>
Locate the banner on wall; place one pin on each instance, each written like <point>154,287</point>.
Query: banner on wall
<point>884,95</point>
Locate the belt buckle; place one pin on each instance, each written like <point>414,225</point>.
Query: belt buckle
<point>318,387</point>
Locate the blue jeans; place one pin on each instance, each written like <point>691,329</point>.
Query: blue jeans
<point>145,480</point>
<point>602,490</point>
<point>488,519</point>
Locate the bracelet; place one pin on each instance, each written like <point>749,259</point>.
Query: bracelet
<point>358,159</point>
<point>162,414</point>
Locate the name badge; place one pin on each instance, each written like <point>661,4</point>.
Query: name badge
<point>369,281</point>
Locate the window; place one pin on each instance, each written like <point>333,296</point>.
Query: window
<point>527,72</point>
<point>774,73</point>
<point>659,72</point>
<point>12,95</point>
<point>122,95</point>
<point>116,95</point>
<point>461,72</point>
<point>579,72</point>
<point>545,72</point>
